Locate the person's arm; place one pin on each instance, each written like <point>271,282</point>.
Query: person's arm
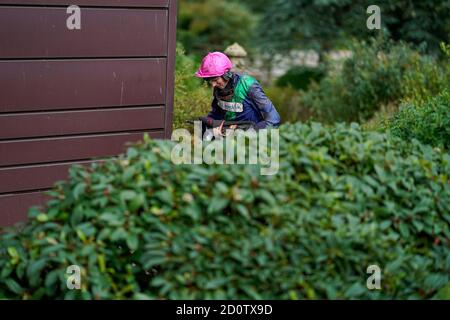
<point>265,106</point>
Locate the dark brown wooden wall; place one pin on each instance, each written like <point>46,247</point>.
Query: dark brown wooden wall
<point>71,96</point>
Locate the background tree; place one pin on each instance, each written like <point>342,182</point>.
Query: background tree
<point>324,24</point>
<point>213,24</point>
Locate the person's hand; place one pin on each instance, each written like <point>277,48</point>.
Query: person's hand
<point>230,130</point>
<point>210,122</point>
<point>217,131</point>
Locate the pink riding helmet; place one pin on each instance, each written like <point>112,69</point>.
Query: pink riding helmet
<point>215,64</point>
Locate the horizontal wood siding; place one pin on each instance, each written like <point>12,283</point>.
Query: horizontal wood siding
<point>78,96</point>
<point>66,148</point>
<point>58,123</point>
<point>104,33</point>
<point>33,177</point>
<point>78,84</point>
<point>14,207</point>
<point>101,3</point>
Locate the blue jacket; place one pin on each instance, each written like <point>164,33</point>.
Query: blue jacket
<point>249,103</point>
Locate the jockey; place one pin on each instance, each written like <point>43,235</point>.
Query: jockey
<point>237,97</point>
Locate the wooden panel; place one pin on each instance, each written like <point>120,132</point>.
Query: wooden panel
<point>56,123</point>
<point>171,69</point>
<point>42,33</point>
<point>31,151</point>
<point>34,177</point>
<point>14,207</point>
<point>76,96</point>
<point>75,84</point>
<point>112,3</point>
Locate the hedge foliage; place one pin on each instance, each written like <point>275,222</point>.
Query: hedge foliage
<point>300,77</point>
<point>379,73</point>
<point>287,102</point>
<point>141,227</point>
<point>429,122</point>
<point>192,96</point>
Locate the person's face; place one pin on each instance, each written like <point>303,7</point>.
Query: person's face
<point>218,82</point>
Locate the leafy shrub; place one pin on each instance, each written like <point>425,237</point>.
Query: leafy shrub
<point>288,104</point>
<point>429,123</point>
<point>211,25</point>
<point>417,96</point>
<point>343,199</point>
<point>380,120</point>
<point>192,97</point>
<point>379,73</point>
<point>300,77</point>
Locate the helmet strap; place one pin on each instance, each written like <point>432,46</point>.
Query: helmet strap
<point>228,75</point>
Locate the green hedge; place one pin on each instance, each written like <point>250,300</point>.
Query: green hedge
<point>343,199</point>
<point>287,102</point>
<point>379,73</point>
<point>192,96</point>
<point>429,122</point>
<point>300,77</point>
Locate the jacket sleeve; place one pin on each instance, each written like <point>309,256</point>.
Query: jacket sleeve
<point>265,106</point>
